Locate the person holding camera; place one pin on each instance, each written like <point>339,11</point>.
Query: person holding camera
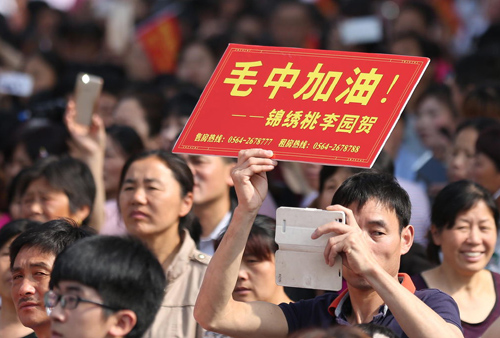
<point>371,242</point>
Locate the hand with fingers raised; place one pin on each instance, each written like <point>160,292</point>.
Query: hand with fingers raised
<point>351,243</point>
<point>249,177</point>
<point>86,141</point>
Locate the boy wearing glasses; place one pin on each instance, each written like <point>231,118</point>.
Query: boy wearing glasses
<point>105,286</point>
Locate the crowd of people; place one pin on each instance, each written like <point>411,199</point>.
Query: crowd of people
<point>104,232</point>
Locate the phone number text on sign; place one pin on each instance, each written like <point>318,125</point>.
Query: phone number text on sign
<point>336,147</point>
<point>283,143</point>
<point>250,140</point>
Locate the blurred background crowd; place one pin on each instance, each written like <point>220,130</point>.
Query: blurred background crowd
<point>156,56</point>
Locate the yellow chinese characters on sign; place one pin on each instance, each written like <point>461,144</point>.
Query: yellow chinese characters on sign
<point>243,78</point>
<point>360,92</point>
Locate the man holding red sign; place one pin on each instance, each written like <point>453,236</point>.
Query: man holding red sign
<point>371,243</point>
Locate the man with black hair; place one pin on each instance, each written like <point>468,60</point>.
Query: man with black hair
<point>32,256</point>
<point>105,286</point>
<point>212,199</point>
<point>371,241</point>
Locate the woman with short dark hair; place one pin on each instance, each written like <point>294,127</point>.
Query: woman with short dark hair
<point>58,187</point>
<point>155,200</point>
<point>464,226</point>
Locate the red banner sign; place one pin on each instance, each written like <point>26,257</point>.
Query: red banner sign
<point>328,107</point>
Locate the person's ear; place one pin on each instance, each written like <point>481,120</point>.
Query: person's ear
<point>123,322</point>
<point>187,204</point>
<point>407,235</point>
<point>229,168</point>
<point>436,235</point>
<point>82,213</point>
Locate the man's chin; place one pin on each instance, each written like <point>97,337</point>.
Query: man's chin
<point>33,323</point>
<point>360,284</point>
<point>356,281</point>
<point>243,298</point>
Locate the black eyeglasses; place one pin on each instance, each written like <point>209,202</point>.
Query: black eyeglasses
<point>69,302</point>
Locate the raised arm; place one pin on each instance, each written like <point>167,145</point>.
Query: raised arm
<point>215,308</point>
<point>357,245</point>
<point>414,316</point>
<point>88,145</point>
<point>11,57</point>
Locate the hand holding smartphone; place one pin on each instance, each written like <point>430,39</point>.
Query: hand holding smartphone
<point>299,260</point>
<point>87,90</point>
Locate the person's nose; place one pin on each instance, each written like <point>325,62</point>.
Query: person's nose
<point>243,273</point>
<point>193,171</point>
<point>57,313</point>
<point>474,235</point>
<point>139,196</point>
<point>26,287</point>
<point>34,207</point>
<point>457,161</point>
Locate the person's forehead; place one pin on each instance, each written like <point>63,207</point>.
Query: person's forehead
<point>128,106</point>
<point>150,170</point>
<point>42,185</point>
<point>37,183</point>
<point>204,158</point>
<point>70,286</point>
<point>467,132</point>
<point>151,165</point>
<point>209,162</point>
<point>34,254</point>
<point>341,175</point>
<point>375,210</point>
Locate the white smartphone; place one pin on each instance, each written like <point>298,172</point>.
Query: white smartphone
<point>87,90</point>
<point>366,29</point>
<point>299,260</point>
<point>15,83</point>
<point>119,25</point>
